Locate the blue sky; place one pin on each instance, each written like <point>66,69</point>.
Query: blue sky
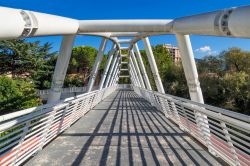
<point>136,9</point>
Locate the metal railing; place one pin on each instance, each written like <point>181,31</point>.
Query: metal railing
<point>225,133</point>
<point>66,90</point>
<point>24,133</point>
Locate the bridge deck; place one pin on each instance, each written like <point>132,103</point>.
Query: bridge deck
<point>124,129</point>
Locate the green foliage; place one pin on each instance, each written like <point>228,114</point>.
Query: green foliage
<point>16,94</point>
<point>20,58</point>
<point>80,66</point>
<point>211,64</point>
<point>163,61</point>
<point>237,86</point>
<point>174,81</point>
<point>82,59</point>
<point>225,80</point>
<point>73,81</point>
<point>237,60</point>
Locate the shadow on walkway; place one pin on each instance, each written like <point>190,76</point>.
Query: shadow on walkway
<point>124,129</point>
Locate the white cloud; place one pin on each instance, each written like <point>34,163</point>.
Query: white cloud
<point>206,49</point>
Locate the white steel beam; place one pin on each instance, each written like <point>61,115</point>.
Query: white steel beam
<point>233,22</point>
<point>142,67</point>
<point>124,41</point>
<point>116,77</point>
<point>61,68</point>
<point>125,25</point>
<point>124,55</point>
<point>191,74</point>
<point>132,67</point>
<point>137,70</point>
<point>124,48</point>
<point>97,63</point>
<point>124,76</point>
<point>109,75</point>
<point>123,69</point>
<point>23,23</point>
<point>106,69</point>
<point>189,66</point>
<point>134,77</point>
<point>153,65</point>
<point>112,73</point>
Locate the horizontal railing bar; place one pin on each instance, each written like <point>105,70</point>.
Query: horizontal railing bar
<point>224,135</point>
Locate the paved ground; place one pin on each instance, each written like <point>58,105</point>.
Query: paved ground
<point>124,129</point>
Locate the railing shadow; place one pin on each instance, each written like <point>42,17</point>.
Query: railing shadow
<point>136,126</point>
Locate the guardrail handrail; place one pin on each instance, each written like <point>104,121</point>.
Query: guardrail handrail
<point>223,132</point>
<point>24,133</point>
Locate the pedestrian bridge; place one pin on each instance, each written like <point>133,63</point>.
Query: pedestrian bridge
<point>124,129</point>
<point>125,124</point>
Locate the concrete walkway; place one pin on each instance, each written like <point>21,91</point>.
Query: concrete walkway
<point>124,129</point>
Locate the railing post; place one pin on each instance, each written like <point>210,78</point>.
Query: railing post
<point>191,75</point>
<point>61,68</point>
<point>142,67</point>
<point>153,65</point>
<point>98,61</point>
<point>22,139</point>
<point>138,72</point>
<point>111,70</point>
<point>229,142</point>
<point>47,128</point>
<point>110,57</point>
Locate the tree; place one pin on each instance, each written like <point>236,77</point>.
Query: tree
<point>236,60</point>
<point>16,94</point>
<point>20,58</point>
<point>210,64</point>
<point>225,80</point>
<point>237,86</point>
<point>81,64</point>
<point>82,59</point>
<point>175,82</point>
<point>163,61</point>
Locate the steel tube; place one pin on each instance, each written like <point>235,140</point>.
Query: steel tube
<point>112,72</point>
<point>138,72</point>
<point>106,69</point>
<point>132,68</point>
<point>153,65</point>
<point>23,23</point>
<point>233,22</point>
<point>189,66</point>
<point>98,61</point>
<point>111,69</point>
<point>61,68</point>
<point>125,25</point>
<point>142,67</point>
<point>133,79</point>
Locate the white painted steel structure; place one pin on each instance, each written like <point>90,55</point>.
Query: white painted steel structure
<point>224,133</point>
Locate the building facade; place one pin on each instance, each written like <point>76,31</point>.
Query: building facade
<point>174,52</point>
